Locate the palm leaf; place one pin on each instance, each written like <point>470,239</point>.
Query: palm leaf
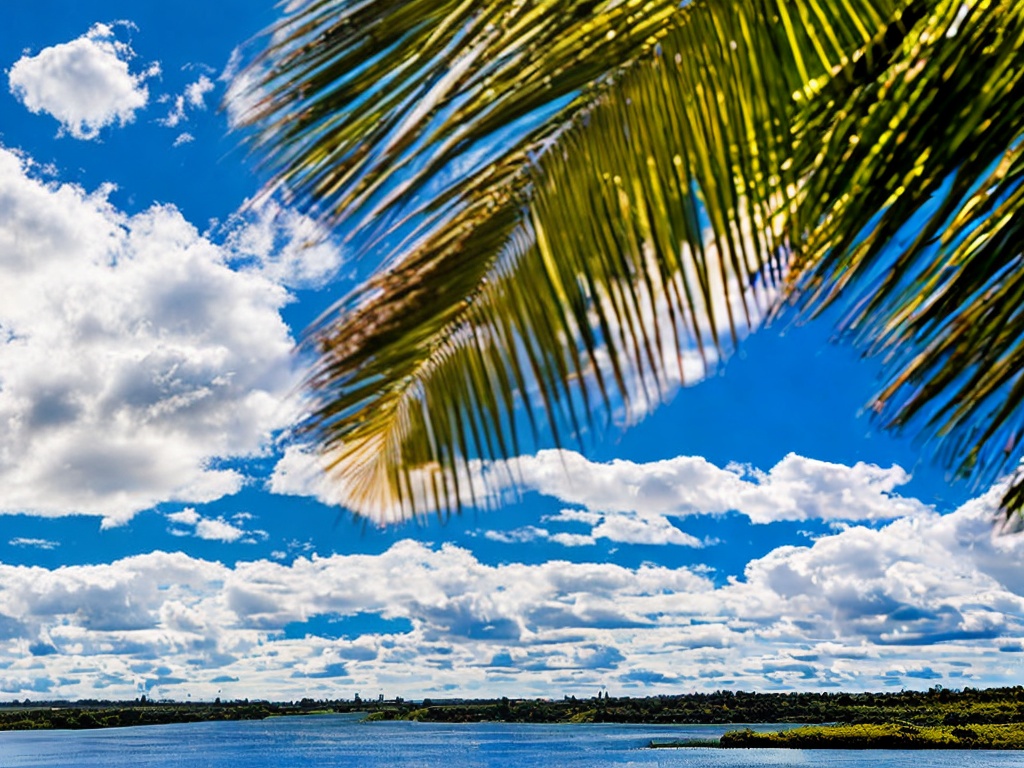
<point>553,245</point>
<point>915,173</point>
<point>362,103</point>
<point>571,273</point>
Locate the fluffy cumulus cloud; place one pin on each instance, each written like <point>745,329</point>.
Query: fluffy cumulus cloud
<point>921,600</point>
<point>193,97</point>
<point>283,245</point>
<point>86,84</point>
<point>195,93</point>
<point>188,522</point>
<point>135,354</point>
<point>629,502</point>
<point>796,488</point>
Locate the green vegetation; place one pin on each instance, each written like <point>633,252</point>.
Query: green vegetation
<point>949,714</point>
<point>885,736</point>
<point>48,715</point>
<point>116,715</point>
<point>935,707</point>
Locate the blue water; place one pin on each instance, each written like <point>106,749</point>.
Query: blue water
<point>292,742</point>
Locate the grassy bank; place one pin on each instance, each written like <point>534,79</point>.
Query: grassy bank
<point>869,736</point>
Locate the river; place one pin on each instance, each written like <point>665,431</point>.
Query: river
<point>337,740</point>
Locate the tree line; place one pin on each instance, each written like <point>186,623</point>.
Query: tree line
<point>935,707</point>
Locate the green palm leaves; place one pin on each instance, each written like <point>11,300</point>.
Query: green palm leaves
<point>364,102</point>
<point>580,204</point>
<point>918,189</point>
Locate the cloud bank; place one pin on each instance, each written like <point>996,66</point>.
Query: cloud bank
<point>920,600</point>
<point>631,502</point>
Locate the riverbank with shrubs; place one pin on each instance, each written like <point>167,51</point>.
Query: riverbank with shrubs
<point>936,708</point>
<point>869,736</point>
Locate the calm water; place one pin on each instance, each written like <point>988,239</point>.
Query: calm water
<point>343,741</point>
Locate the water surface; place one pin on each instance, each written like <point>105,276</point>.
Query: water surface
<point>339,740</point>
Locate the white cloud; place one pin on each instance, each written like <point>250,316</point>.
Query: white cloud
<point>631,503</point>
<point>133,353</point>
<point>284,245</point>
<point>188,522</point>
<point>184,138</point>
<point>85,84</point>
<point>861,609</point>
<point>21,541</point>
<point>195,93</point>
<point>299,473</point>
<point>218,530</point>
<point>194,97</point>
<point>573,539</point>
<point>634,529</point>
<point>916,582</point>
<point>187,516</point>
<point>796,488</point>
<point>177,114</point>
<point>623,528</point>
<point>518,536</point>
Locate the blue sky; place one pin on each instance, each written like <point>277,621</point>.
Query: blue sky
<point>159,534</point>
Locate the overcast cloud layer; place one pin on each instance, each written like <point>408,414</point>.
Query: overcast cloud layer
<point>924,599</point>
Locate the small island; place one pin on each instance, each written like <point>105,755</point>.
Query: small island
<point>866,736</point>
<point>884,736</point>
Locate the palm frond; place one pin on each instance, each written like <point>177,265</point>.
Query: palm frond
<point>576,271</point>
<point>575,193</point>
<point>915,179</point>
<point>362,102</point>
